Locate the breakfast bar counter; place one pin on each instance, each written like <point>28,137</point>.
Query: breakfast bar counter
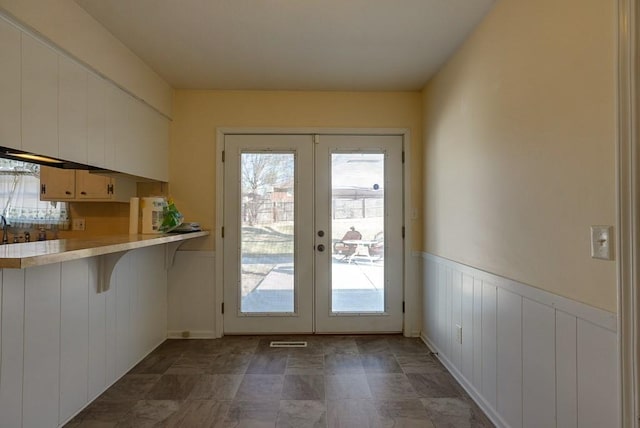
<point>29,254</point>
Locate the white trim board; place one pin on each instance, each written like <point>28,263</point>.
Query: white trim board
<point>627,209</point>
<point>599,317</point>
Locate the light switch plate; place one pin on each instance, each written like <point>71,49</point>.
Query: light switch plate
<point>601,246</point>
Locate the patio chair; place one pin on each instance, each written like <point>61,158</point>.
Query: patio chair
<point>347,249</point>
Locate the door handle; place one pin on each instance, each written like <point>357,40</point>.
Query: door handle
<point>321,248</point>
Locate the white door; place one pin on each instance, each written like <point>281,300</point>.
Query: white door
<point>313,234</point>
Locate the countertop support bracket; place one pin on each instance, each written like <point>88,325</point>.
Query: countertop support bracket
<point>106,265</point>
<point>170,253</point>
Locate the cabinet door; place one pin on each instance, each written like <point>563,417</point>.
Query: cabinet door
<point>10,86</point>
<point>96,116</point>
<point>39,97</point>
<point>57,184</point>
<point>117,129</point>
<point>92,186</point>
<point>72,111</point>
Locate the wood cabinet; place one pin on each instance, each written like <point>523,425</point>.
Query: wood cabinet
<point>57,184</point>
<point>82,186</point>
<point>10,101</point>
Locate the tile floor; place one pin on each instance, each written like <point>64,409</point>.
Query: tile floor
<point>240,381</point>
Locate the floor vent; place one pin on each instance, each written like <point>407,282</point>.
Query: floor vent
<point>288,344</point>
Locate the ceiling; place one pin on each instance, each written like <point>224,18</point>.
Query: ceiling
<point>347,45</point>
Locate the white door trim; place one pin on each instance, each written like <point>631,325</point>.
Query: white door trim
<point>411,315</point>
<point>628,212</point>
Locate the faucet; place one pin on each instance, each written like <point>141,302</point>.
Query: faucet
<point>5,238</point>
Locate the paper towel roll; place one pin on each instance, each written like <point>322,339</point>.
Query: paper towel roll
<point>134,212</point>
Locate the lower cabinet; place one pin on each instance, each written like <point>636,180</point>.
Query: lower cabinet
<point>63,344</point>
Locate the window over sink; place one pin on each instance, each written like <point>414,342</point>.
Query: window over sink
<point>20,198</point>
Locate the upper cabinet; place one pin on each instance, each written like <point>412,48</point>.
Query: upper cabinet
<point>39,97</point>
<point>96,120</point>
<point>10,133</point>
<point>72,111</point>
<point>51,105</point>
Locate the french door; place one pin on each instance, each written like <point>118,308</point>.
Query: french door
<point>313,234</point>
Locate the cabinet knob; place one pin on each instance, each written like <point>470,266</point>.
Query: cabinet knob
<point>83,193</point>
<point>67,192</point>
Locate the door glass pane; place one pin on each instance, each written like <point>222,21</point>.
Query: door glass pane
<point>357,227</point>
<point>267,233</point>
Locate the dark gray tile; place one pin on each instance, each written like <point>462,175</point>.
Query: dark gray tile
<point>252,414</point>
<point>420,363</point>
<point>172,387</point>
<point>352,413</point>
<point>403,413</point>
<point>216,387</point>
<point>302,414</point>
<point>349,386</point>
<point>407,345</point>
<point>225,345</point>
<point>372,344</point>
<point>198,413</point>
<point>260,388</point>
<point>340,345</point>
<point>150,413</point>
<point>267,364</point>
<point>380,363</point>
<point>308,364</point>
<point>131,387</point>
<point>455,412</point>
<point>303,387</point>
<point>434,385</point>
<point>392,386</point>
<point>343,363</point>
<point>229,364</point>
<point>105,411</point>
<point>156,363</point>
<point>190,365</point>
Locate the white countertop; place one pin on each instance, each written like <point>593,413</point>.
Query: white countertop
<point>28,254</point>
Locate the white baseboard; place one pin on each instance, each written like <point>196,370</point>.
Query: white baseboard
<point>203,334</point>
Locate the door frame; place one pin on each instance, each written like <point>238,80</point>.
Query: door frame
<point>410,284</point>
<point>628,211</point>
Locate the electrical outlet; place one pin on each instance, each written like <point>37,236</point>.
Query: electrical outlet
<point>77,224</point>
<point>459,333</point>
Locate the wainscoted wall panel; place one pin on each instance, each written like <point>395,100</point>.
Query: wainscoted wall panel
<point>191,295</point>
<point>12,347</point>
<point>566,371</point>
<point>538,365</point>
<point>63,343</point>
<point>528,357</point>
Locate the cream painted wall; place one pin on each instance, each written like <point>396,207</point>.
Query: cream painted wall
<point>520,139</point>
<point>197,114</point>
<point>67,25</point>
